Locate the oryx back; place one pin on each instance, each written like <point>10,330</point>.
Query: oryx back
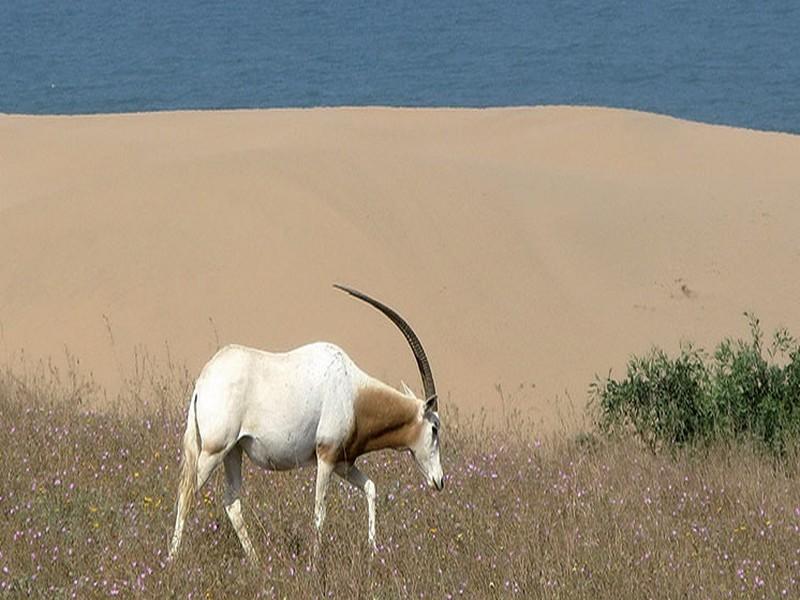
<point>275,405</point>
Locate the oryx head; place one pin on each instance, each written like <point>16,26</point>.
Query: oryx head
<point>425,446</point>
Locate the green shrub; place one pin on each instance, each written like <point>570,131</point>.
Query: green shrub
<point>742,391</point>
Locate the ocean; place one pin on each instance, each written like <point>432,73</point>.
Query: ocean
<point>733,63</point>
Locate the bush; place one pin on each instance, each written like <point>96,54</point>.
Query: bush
<point>741,391</point>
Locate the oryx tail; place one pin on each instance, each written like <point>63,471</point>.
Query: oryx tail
<point>188,479</point>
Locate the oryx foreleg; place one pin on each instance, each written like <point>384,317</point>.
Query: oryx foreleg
<point>350,472</point>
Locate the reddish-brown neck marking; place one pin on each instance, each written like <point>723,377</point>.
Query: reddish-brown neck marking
<point>383,418</point>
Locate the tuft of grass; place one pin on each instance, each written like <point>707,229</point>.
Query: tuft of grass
<point>742,392</point>
<point>87,511</point>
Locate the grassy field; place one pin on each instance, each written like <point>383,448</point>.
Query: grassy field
<point>87,499</point>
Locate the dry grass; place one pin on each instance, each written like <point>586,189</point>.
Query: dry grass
<point>87,509</point>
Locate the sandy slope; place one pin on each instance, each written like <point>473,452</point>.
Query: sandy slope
<point>528,247</point>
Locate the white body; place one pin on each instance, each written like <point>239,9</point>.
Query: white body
<point>287,410</point>
<point>279,405</point>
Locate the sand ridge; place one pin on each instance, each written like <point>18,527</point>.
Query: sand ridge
<point>528,247</point>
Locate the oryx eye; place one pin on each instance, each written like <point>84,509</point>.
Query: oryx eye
<point>435,430</point>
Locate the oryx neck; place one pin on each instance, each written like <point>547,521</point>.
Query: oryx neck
<point>384,418</point>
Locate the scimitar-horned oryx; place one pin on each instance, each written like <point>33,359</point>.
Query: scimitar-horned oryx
<point>292,409</point>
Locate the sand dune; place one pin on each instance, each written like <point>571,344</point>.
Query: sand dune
<point>530,248</point>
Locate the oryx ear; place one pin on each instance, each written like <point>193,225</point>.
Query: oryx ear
<point>430,403</point>
<point>406,390</point>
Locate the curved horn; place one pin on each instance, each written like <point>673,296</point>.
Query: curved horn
<point>413,341</point>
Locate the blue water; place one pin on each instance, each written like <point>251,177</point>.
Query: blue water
<point>720,62</point>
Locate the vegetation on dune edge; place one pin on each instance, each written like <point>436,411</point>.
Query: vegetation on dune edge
<point>87,505</point>
<point>743,392</point>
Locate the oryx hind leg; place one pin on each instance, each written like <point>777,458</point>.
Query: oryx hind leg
<point>349,472</point>
<point>324,470</point>
<point>233,505</point>
<point>206,463</point>
<point>195,472</point>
